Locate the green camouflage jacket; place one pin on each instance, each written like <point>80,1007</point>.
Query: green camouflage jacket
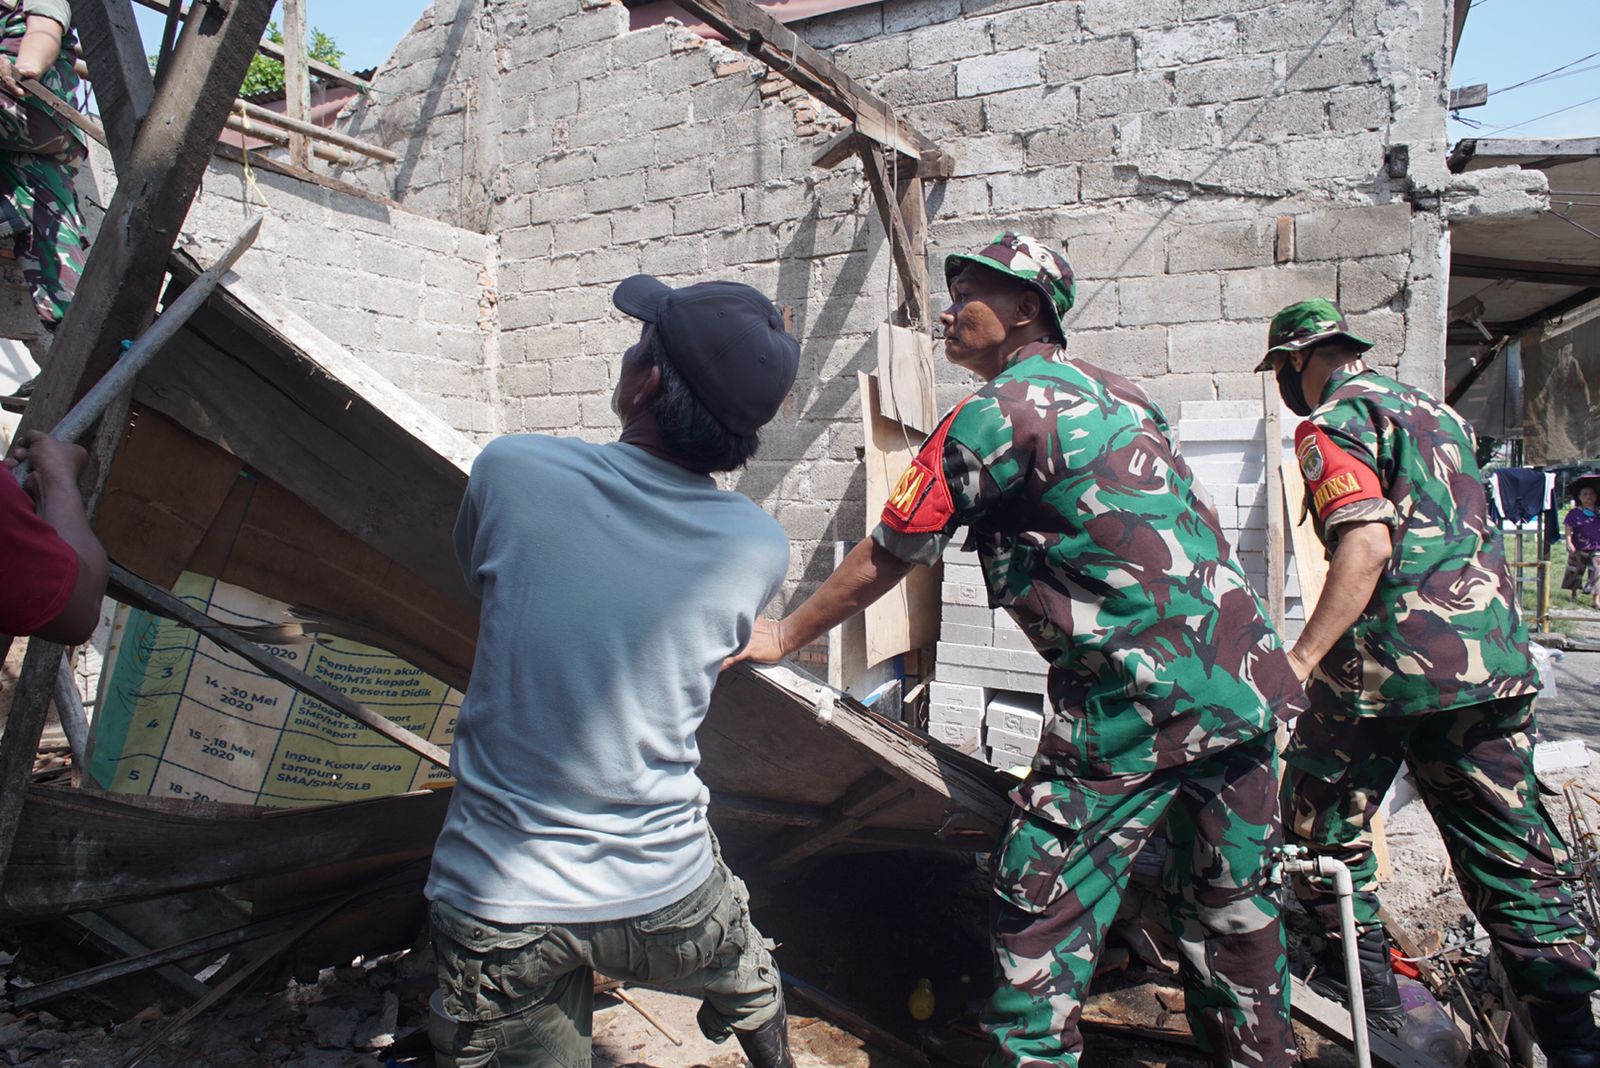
<point>1093,534</point>
<point>1442,630</point>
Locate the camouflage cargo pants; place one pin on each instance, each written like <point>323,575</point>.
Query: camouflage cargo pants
<point>38,165</point>
<point>1474,767</point>
<point>1058,889</point>
<point>522,994</point>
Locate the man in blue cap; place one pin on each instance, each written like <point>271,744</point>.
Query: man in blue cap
<point>615,579</point>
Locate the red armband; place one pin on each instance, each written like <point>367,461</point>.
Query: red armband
<point>920,502</point>
<point>1333,477</point>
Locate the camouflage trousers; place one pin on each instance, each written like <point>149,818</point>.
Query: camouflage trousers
<point>38,164</point>
<point>521,995</point>
<point>1474,767</point>
<point>1058,889</point>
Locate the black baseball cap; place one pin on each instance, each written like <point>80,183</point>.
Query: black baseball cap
<point>726,339</point>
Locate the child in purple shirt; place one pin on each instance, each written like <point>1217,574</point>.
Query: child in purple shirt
<point>1583,540</point>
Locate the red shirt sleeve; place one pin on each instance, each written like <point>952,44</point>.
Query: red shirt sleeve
<point>38,570</point>
<point>1333,477</point>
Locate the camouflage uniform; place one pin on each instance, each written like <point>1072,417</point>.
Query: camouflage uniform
<point>1435,673</point>
<point>39,157</point>
<point>1166,681</point>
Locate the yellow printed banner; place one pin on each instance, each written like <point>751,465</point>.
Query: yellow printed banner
<point>181,717</point>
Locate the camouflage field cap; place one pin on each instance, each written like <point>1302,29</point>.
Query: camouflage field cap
<point>1030,260</point>
<point>1307,323</point>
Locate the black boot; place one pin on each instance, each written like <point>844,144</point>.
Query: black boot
<point>1566,1032</point>
<point>1380,993</point>
<point>768,1045</point>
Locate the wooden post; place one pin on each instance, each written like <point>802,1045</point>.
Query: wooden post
<point>122,84</point>
<point>117,297</point>
<point>296,78</point>
<point>1274,500</point>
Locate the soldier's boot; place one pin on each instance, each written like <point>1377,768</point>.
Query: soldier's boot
<point>768,1045</point>
<point>1566,1032</point>
<point>1380,992</point>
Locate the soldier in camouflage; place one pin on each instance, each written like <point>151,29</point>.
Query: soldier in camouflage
<point>1166,678</point>
<point>39,153</point>
<point>1415,654</point>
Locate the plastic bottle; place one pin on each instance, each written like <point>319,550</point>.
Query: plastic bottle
<point>920,1003</point>
<point>1428,1028</point>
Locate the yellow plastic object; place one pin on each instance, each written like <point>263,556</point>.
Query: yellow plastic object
<point>920,1003</point>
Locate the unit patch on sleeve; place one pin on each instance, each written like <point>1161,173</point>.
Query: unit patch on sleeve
<point>1333,477</point>
<point>920,502</point>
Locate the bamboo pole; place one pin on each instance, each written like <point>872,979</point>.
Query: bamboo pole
<point>313,131</point>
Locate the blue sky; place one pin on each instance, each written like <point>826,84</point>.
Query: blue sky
<point>1506,41</point>
<point>367,30</point>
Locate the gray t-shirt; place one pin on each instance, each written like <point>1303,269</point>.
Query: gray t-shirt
<point>613,585</point>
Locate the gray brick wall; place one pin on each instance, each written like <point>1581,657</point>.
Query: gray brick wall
<point>1158,141</point>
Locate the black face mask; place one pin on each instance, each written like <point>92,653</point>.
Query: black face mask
<point>1289,387</point>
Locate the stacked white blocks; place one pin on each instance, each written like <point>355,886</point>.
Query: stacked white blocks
<point>988,693</point>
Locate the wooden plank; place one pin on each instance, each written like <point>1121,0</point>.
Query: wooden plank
<point>118,941</point>
<point>907,617</point>
<point>913,275</point>
<point>1310,559</point>
<point>65,111</point>
<point>1332,1020</point>
<point>867,798</point>
<point>133,590</point>
<point>749,28</point>
<point>1542,272</point>
<point>233,154</point>
<point>1275,554</point>
<point>123,88</point>
<point>1469,96</point>
<point>282,138</point>
<point>320,133</point>
<point>296,79</point>
<point>79,850</point>
<point>914,214</point>
<point>273,51</point>
<point>836,149</point>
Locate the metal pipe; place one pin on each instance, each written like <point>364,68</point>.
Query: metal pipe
<point>1335,871</point>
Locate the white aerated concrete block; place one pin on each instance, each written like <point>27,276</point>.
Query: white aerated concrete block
<point>989,657</point>
<point>955,735</point>
<point>994,678</point>
<point>954,696</point>
<point>967,615</point>
<point>1003,620</point>
<point>956,632</point>
<point>1013,639</point>
<point>955,715</point>
<point>969,593</point>
<point>1020,714</point>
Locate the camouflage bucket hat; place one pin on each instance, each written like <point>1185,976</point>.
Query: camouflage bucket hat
<point>1029,260</point>
<point>1307,323</point>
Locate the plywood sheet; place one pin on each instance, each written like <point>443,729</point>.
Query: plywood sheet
<point>907,617</point>
<point>1310,560</point>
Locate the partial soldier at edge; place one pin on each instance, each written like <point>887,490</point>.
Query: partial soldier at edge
<point>1416,654</point>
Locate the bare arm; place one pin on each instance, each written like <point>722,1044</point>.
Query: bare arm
<point>1363,552</point>
<point>868,572</point>
<point>40,47</point>
<point>53,484</point>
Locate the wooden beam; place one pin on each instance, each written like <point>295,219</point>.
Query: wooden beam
<point>1469,96</point>
<point>914,215</point>
<point>272,51</point>
<point>836,149</point>
<point>296,79</point>
<point>129,588</point>
<point>749,28</point>
<point>122,944</point>
<point>1274,501</point>
<point>1332,1020</point>
<point>1541,272</point>
<point>117,297</point>
<point>912,268</point>
<point>867,798</point>
<point>123,88</point>
<point>312,131</point>
<point>284,139</point>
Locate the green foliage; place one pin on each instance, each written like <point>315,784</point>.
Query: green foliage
<point>266,74</point>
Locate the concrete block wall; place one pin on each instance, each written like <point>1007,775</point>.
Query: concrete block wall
<point>410,295</point>
<point>1203,162</point>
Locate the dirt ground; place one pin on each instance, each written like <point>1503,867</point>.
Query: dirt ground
<point>865,929</point>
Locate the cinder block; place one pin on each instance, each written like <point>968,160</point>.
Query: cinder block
<point>955,696</point>
<point>1185,43</point>
<point>995,678</point>
<point>997,73</point>
<point>1047,188</point>
<point>1341,233</point>
<point>966,615</point>
<point>963,717</point>
<point>1020,714</point>
<point>967,593</point>
<point>964,635</point>
<point>955,735</point>
<point>1263,292</point>
<point>1214,345</point>
<point>1167,299</point>
<point>1075,60</point>
<point>1014,639</point>
<point>1221,246</point>
<point>1130,351</point>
